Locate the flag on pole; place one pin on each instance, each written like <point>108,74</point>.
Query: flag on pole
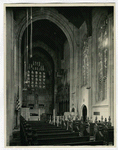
<point>17,101</point>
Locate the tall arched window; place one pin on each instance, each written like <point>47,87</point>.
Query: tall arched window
<point>85,62</point>
<point>102,59</point>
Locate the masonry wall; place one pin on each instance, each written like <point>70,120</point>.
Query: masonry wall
<point>66,62</point>
<point>11,74</point>
<point>104,107</point>
<point>87,94</point>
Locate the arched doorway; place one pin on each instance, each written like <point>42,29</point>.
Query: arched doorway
<point>73,110</point>
<point>84,113</point>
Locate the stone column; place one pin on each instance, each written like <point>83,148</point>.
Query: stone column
<point>110,86</point>
<point>9,74</point>
<point>12,73</point>
<point>76,55</point>
<point>72,72</point>
<point>19,78</point>
<point>89,79</point>
<point>55,93</point>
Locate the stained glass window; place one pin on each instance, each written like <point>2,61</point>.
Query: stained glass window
<point>85,63</point>
<point>36,75</point>
<point>28,78</point>
<point>102,59</point>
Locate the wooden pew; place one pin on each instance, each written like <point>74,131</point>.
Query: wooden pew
<point>104,130</point>
<point>69,132</point>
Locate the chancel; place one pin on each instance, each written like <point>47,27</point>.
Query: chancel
<point>59,75</point>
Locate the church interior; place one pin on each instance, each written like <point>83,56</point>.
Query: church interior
<point>59,75</point>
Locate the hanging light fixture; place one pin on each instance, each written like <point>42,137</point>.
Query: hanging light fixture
<point>31,35</point>
<point>26,53</point>
<point>73,56</point>
<point>27,39</point>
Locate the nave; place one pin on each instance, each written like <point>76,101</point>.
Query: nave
<point>60,75</point>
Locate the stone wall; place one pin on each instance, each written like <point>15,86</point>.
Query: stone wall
<point>87,94</point>
<point>12,74</point>
<point>104,107</point>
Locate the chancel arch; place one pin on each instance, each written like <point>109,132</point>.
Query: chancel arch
<point>54,17</point>
<point>63,24</point>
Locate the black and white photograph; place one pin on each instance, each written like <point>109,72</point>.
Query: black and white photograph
<point>60,75</point>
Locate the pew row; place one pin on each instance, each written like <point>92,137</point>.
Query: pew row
<point>67,132</point>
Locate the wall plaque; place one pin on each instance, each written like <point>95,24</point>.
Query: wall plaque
<point>96,113</point>
<point>41,105</point>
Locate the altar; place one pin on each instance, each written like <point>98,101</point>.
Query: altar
<point>35,114</point>
<point>33,110</point>
<point>32,114</point>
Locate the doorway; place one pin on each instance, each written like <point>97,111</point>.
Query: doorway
<point>84,113</point>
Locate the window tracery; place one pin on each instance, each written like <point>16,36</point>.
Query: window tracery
<point>102,59</point>
<point>36,75</point>
<point>85,63</point>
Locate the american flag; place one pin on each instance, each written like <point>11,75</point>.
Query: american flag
<point>18,101</point>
